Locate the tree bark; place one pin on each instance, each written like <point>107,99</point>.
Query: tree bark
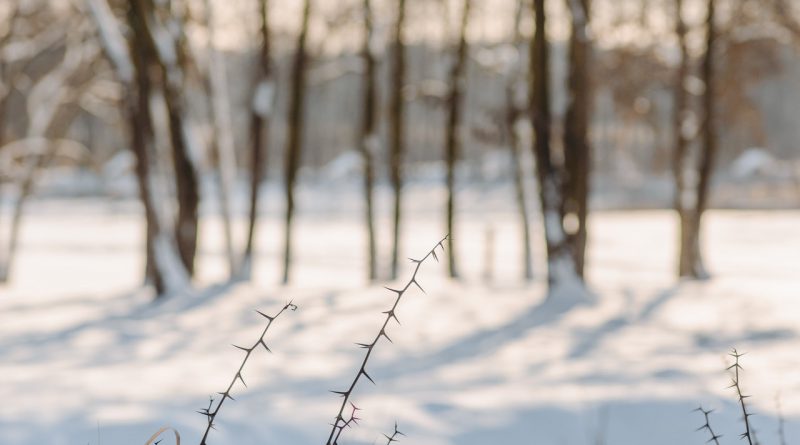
<point>369,139</point>
<point>294,142</point>
<point>683,206</point>
<point>577,152</point>
<point>512,116</point>
<point>261,110</point>
<point>397,129</point>
<point>172,65</point>
<point>452,137</point>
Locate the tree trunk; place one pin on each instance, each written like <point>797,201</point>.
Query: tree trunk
<point>261,110</point>
<point>513,115</point>
<point>369,138</point>
<point>559,263</point>
<point>294,142</point>
<point>684,206</point>
<point>222,145</point>
<point>709,150</point>
<point>452,137</point>
<point>397,128</point>
<point>577,152</point>
<point>172,63</point>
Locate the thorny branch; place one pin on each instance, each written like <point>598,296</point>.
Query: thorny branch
<point>707,426</point>
<point>339,422</point>
<point>393,437</point>
<point>212,411</point>
<point>735,368</point>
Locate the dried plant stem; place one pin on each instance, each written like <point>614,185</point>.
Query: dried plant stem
<point>212,411</point>
<point>339,422</point>
<point>707,426</point>
<point>735,383</point>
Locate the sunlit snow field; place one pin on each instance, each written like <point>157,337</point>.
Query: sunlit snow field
<point>86,357</point>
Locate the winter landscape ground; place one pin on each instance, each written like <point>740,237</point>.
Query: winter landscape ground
<point>86,356</point>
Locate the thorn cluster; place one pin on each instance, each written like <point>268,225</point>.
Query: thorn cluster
<point>212,410</point>
<point>393,437</point>
<point>339,422</point>
<point>353,420</point>
<point>707,426</point>
<point>735,383</point>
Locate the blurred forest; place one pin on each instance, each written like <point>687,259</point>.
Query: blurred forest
<point>194,106</point>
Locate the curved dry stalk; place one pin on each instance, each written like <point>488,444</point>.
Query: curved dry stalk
<point>212,411</point>
<point>339,422</point>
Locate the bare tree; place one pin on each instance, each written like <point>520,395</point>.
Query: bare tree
<point>563,187</point>
<point>294,142</point>
<point>163,33</point>
<point>133,61</point>
<point>682,203</point>
<point>260,113</point>
<point>692,199</point>
<point>397,128</point>
<point>452,137</point>
<point>369,137</point>
<point>222,145</point>
<point>577,153</point>
<point>514,112</point>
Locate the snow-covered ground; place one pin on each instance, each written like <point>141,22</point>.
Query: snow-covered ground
<point>86,357</point>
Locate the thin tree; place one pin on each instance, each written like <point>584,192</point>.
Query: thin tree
<point>260,113</point>
<point>133,62</point>
<point>452,136</point>
<point>681,202</point>
<point>221,142</point>
<point>172,60</point>
<point>577,152</point>
<point>397,128</point>
<point>369,137</point>
<point>709,151</point>
<point>546,172</point>
<point>294,142</point>
<point>513,113</point>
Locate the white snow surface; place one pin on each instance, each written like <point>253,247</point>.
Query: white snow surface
<point>86,357</point>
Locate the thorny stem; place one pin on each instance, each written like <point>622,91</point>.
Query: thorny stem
<point>393,438</point>
<point>707,426</point>
<point>735,367</point>
<point>339,422</point>
<point>352,420</point>
<point>210,413</point>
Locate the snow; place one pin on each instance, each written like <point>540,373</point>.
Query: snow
<point>88,358</point>
<point>264,98</point>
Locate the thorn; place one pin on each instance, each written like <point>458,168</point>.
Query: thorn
<point>364,373</point>
<point>383,333</point>
<point>265,315</point>
<point>242,348</point>
<point>341,393</point>
<point>365,345</point>
<point>420,287</point>
<point>433,253</point>
<point>415,261</point>
<point>265,345</point>
<point>391,314</point>
<point>239,376</point>
<point>398,292</point>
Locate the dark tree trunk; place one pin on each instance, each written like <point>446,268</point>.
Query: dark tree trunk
<point>369,138</point>
<point>683,208</point>
<point>294,142</point>
<point>173,71</point>
<point>452,137</point>
<point>709,149</point>
<point>397,128</point>
<point>259,123</point>
<point>577,152</point>
<point>546,173</point>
